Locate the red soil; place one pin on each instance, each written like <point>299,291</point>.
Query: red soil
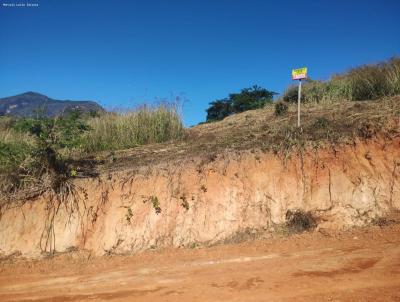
<point>358,265</point>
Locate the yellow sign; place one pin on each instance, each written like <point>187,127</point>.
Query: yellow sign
<point>300,73</point>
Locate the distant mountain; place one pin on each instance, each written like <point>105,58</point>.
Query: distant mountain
<point>31,103</point>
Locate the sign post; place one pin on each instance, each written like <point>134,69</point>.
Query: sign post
<point>298,104</point>
<point>299,74</point>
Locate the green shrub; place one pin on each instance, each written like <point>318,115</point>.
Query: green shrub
<point>56,133</point>
<point>33,152</point>
<point>250,98</point>
<point>218,110</point>
<point>13,155</point>
<point>281,108</point>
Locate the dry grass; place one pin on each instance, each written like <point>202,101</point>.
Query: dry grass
<point>322,124</point>
<point>8,135</point>
<point>146,125</point>
<point>367,82</point>
<point>14,150</point>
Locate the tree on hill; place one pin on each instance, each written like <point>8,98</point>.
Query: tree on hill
<point>249,98</point>
<point>218,110</point>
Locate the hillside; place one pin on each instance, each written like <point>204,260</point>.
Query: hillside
<point>326,124</point>
<point>248,202</point>
<point>33,103</point>
<point>243,177</point>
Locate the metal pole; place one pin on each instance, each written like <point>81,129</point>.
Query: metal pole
<point>298,104</point>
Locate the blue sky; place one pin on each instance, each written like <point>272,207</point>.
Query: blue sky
<point>124,53</point>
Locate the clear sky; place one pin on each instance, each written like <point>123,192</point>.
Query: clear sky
<point>123,53</point>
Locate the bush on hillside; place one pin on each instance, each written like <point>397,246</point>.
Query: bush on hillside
<point>281,108</point>
<point>248,99</point>
<point>218,110</point>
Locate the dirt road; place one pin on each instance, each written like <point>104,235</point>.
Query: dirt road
<point>361,265</point>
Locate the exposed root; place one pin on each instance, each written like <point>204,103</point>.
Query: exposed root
<point>69,196</point>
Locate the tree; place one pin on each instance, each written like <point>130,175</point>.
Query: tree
<point>251,98</point>
<point>218,110</point>
<point>248,99</point>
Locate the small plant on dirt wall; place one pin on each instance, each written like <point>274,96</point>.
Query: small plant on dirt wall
<point>185,203</point>
<point>129,215</point>
<point>154,202</point>
<point>298,221</point>
<point>366,130</point>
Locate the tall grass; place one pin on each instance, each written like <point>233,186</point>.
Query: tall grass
<point>14,145</point>
<point>366,82</point>
<point>145,125</point>
<point>108,131</point>
<point>15,156</point>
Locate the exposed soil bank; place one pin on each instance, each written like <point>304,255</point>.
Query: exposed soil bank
<point>210,200</point>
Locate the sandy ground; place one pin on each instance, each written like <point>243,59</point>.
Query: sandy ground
<point>358,265</point>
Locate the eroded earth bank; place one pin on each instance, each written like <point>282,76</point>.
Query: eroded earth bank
<point>206,200</point>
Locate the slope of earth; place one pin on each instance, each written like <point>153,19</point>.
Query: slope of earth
<point>332,125</point>
<point>357,265</point>
<point>225,182</point>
